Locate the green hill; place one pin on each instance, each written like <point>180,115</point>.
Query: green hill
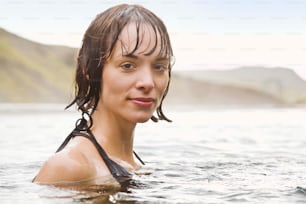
<point>32,72</point>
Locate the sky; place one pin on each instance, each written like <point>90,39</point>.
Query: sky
<point>205,34</point>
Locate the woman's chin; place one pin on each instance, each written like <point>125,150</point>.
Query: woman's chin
<point>142,119</point>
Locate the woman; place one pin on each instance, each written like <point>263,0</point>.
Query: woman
<point>122,77</point>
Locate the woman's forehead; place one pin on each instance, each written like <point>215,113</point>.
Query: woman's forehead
<point>139,39</point>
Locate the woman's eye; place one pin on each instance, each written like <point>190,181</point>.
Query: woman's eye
<point>160,67</point>
<point>127,66</point>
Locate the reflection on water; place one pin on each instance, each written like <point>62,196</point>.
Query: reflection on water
<point>204,156</point>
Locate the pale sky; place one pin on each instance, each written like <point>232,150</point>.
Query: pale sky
<point>206,34</point>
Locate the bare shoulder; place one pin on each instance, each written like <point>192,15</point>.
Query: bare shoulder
<point>69,165</point>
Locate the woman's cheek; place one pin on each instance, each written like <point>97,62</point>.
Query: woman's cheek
<point>164,86</point>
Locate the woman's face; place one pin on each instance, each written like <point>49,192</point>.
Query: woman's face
<point>133,84</point>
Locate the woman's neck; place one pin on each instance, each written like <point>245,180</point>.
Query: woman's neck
<point>115,135</point>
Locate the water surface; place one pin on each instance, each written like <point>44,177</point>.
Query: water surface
<point>204,156</point>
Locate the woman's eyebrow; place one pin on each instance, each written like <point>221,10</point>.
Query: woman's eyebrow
<point>133,56</point>
<point>130,55</point>
<point>162,59</point>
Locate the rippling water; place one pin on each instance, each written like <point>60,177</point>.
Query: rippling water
<point>204,156</point>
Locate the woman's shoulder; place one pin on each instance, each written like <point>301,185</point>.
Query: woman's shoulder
<point>68,165</point>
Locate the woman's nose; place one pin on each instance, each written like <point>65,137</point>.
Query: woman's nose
<point>145,79</point>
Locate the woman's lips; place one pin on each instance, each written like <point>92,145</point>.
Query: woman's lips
<point>143,102</point>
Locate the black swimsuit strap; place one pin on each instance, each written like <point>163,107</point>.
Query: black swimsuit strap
<point>139,159</point>
<point>74,133</point>
<point>117,171</point>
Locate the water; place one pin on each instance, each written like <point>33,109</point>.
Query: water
<point>204,156</point>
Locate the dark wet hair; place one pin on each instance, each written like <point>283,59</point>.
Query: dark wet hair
<point>98,43</point>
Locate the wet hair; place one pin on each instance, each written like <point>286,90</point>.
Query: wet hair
<point>98,43</point>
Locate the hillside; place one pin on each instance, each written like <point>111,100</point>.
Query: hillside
<point>186,90</point>
<point>278,83</point>
<point>32,72</point>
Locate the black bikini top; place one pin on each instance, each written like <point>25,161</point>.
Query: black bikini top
<point>117,171</point>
